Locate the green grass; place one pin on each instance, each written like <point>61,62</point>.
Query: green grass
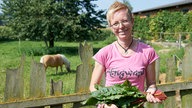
<point>10,58</point>
<point>11,53</point>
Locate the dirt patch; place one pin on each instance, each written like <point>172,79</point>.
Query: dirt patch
<point>162,78</point>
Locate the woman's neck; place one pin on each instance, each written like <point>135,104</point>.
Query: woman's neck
<point>125,42</point>
<point>125,45</point>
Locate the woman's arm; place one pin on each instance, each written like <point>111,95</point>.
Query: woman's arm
<point>151,83</point>
<point>96,76</point>
<point>150,76</point>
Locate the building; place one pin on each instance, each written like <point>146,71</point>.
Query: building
<point>183,6</point>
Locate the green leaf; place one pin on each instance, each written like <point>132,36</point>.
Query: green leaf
<point>123,95</point>
<point>90,101</point>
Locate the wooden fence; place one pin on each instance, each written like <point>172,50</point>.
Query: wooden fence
<point>177,92</point>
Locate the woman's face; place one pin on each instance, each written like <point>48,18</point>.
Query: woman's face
<point>121,24</point>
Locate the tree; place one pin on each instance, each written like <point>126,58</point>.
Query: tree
<point>71,20</point>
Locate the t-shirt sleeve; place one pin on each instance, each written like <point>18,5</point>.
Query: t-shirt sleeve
<point>152,55</point>
<point>100,56</point>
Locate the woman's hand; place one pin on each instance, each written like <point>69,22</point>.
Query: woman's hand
<point>150,95</point>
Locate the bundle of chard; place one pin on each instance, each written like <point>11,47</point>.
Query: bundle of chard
<point>122,95</point>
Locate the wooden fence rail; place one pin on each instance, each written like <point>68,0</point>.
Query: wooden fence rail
<point>14,94</point>
<point>45,101</point>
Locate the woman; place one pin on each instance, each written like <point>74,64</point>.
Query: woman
<point>126,58</point>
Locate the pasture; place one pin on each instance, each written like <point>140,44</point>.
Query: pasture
<point>10,58</point>
<point>11,53</point>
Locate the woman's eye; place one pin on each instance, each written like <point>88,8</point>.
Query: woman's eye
<point>124,21</point>
<point>116,24</point>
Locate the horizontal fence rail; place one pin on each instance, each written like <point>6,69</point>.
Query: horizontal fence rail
<point>52,100</point>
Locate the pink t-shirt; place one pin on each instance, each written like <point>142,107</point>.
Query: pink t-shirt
<point>119,68</point>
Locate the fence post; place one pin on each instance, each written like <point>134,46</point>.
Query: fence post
<point>157,70</point>
<point>56,90</point>
<point>186,95</point>
<point>84,70</point>
<point>179,40</point>
<point>170,77</point>
<point>14,88</point>
<point>37,81</point>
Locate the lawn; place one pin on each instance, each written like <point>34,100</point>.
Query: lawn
<point>11,53</point>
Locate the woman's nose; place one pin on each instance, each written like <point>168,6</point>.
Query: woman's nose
<point>121,25</point>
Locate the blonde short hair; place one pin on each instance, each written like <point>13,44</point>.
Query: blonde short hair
<point>116,6</point>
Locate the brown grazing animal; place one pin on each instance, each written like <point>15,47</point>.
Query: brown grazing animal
<point>55,61</point>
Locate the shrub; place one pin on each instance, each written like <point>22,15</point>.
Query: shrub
<point>6,34</point>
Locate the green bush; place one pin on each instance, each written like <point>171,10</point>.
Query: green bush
<point>6,34</point>
<point>38,51</point>
<point>150,27</point>
<point>105,33</point>
<point>34,51</point>
<point>110,39</point>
